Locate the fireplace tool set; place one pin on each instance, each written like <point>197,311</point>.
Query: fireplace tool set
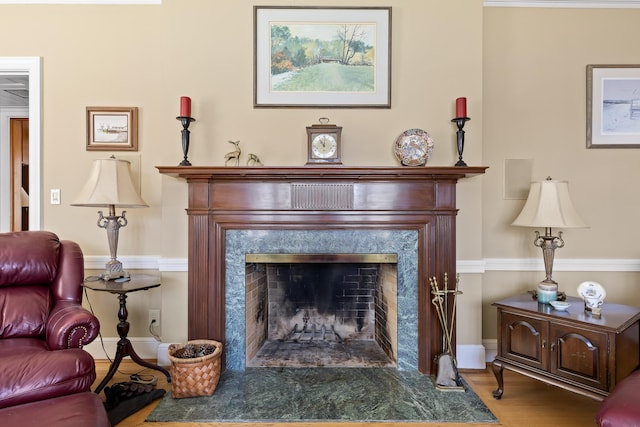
<point>448,378</point>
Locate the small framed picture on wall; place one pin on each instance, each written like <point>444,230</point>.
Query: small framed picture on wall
<point>613,106</point>
<point>112,129</point>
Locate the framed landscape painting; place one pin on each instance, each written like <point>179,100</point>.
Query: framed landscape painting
<point>613,106</point>
<point>322,57</point>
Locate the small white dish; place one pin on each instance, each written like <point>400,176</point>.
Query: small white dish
<point>560,305</point>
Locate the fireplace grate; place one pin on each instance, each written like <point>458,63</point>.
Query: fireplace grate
<point>313,334</point>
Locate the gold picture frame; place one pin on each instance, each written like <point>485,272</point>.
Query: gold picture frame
<point>112,129</point>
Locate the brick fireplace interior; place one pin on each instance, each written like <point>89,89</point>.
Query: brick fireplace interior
<point>231,210</point>
<point>314,310</point>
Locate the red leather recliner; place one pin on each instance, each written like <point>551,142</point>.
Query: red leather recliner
<point>43,325</point>
<point>620,408</point>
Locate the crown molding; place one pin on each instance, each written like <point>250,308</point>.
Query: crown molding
<point>110,2</point>
<point>585,4</point>
<point>589,4</point>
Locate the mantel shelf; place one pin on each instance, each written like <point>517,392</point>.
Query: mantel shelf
<point>322,172</point>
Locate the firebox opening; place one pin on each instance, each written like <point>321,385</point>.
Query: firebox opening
<point>313,310</point>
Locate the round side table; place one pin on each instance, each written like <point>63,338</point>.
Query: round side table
<point>137,282</point>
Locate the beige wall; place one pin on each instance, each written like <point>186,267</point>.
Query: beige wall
<point>149,56</point>
<point>523,71</point>
<point>534,102</point>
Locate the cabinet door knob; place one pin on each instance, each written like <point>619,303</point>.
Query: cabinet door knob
<point>553,346</point>
<point>544,343</point>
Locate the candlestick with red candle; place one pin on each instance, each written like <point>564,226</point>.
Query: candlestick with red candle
<point>185,106</point>
<point>186,119</point>
<point>461,107</point>
<point>459,120</point>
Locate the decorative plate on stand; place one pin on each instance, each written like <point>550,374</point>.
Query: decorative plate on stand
<point>413,147</point>
<point>593,294</point>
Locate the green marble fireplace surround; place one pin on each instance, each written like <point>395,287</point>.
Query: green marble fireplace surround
<point>404,243</point>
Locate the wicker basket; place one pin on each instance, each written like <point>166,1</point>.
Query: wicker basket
<point>197,376</point>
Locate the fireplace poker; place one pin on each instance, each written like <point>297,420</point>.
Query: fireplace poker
<point>455,305</point>
<point>442,310</point>
<point>437,302</point>
<point>448,377</point>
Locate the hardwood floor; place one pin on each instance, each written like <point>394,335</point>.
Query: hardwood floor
<point>525,403</point>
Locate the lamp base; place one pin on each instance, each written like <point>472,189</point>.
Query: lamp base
<point>113,270</point>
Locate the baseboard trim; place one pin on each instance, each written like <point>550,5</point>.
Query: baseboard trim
<point>145,347</point>
<point>469,356</point>
<point>491,347</point>
<point>163,354</point>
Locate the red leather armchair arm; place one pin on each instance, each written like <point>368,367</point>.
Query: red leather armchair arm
<point>70,326</point>
<point>620,408</point>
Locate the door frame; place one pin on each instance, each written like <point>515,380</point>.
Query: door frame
<point>31,66</point>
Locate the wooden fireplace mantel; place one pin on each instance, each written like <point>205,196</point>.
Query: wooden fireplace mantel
<point>319,198</point>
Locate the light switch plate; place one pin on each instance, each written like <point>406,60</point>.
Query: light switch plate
<point>55,196</point>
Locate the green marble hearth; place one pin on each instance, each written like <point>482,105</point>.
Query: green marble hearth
<point>325,394</point>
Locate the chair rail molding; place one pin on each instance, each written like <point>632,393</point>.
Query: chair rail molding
<point>571,264</point>
<point>155,262</point>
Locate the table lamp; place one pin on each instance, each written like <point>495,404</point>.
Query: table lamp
<point>549,206</point>
<point>110,185</point>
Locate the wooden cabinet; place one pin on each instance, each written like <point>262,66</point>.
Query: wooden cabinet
<point>571,349</point>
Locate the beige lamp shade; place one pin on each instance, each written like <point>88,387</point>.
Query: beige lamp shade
<point>109,184</point>
<point>549,205</point>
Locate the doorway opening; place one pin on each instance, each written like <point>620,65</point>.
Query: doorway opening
<point>31,68</point>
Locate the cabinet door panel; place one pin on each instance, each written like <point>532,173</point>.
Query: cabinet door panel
<point>524,340</point>
<point>579,355</point>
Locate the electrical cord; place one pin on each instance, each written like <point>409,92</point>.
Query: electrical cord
<point>86,295</point>
<point>144,379</point>
<point>152,332</point>
<point>136,377</point>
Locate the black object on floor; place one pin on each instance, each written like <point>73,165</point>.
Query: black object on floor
<point>125,402</point>
<point>123,391</point>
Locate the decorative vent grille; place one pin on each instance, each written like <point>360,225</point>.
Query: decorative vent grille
<point>322,196</point>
